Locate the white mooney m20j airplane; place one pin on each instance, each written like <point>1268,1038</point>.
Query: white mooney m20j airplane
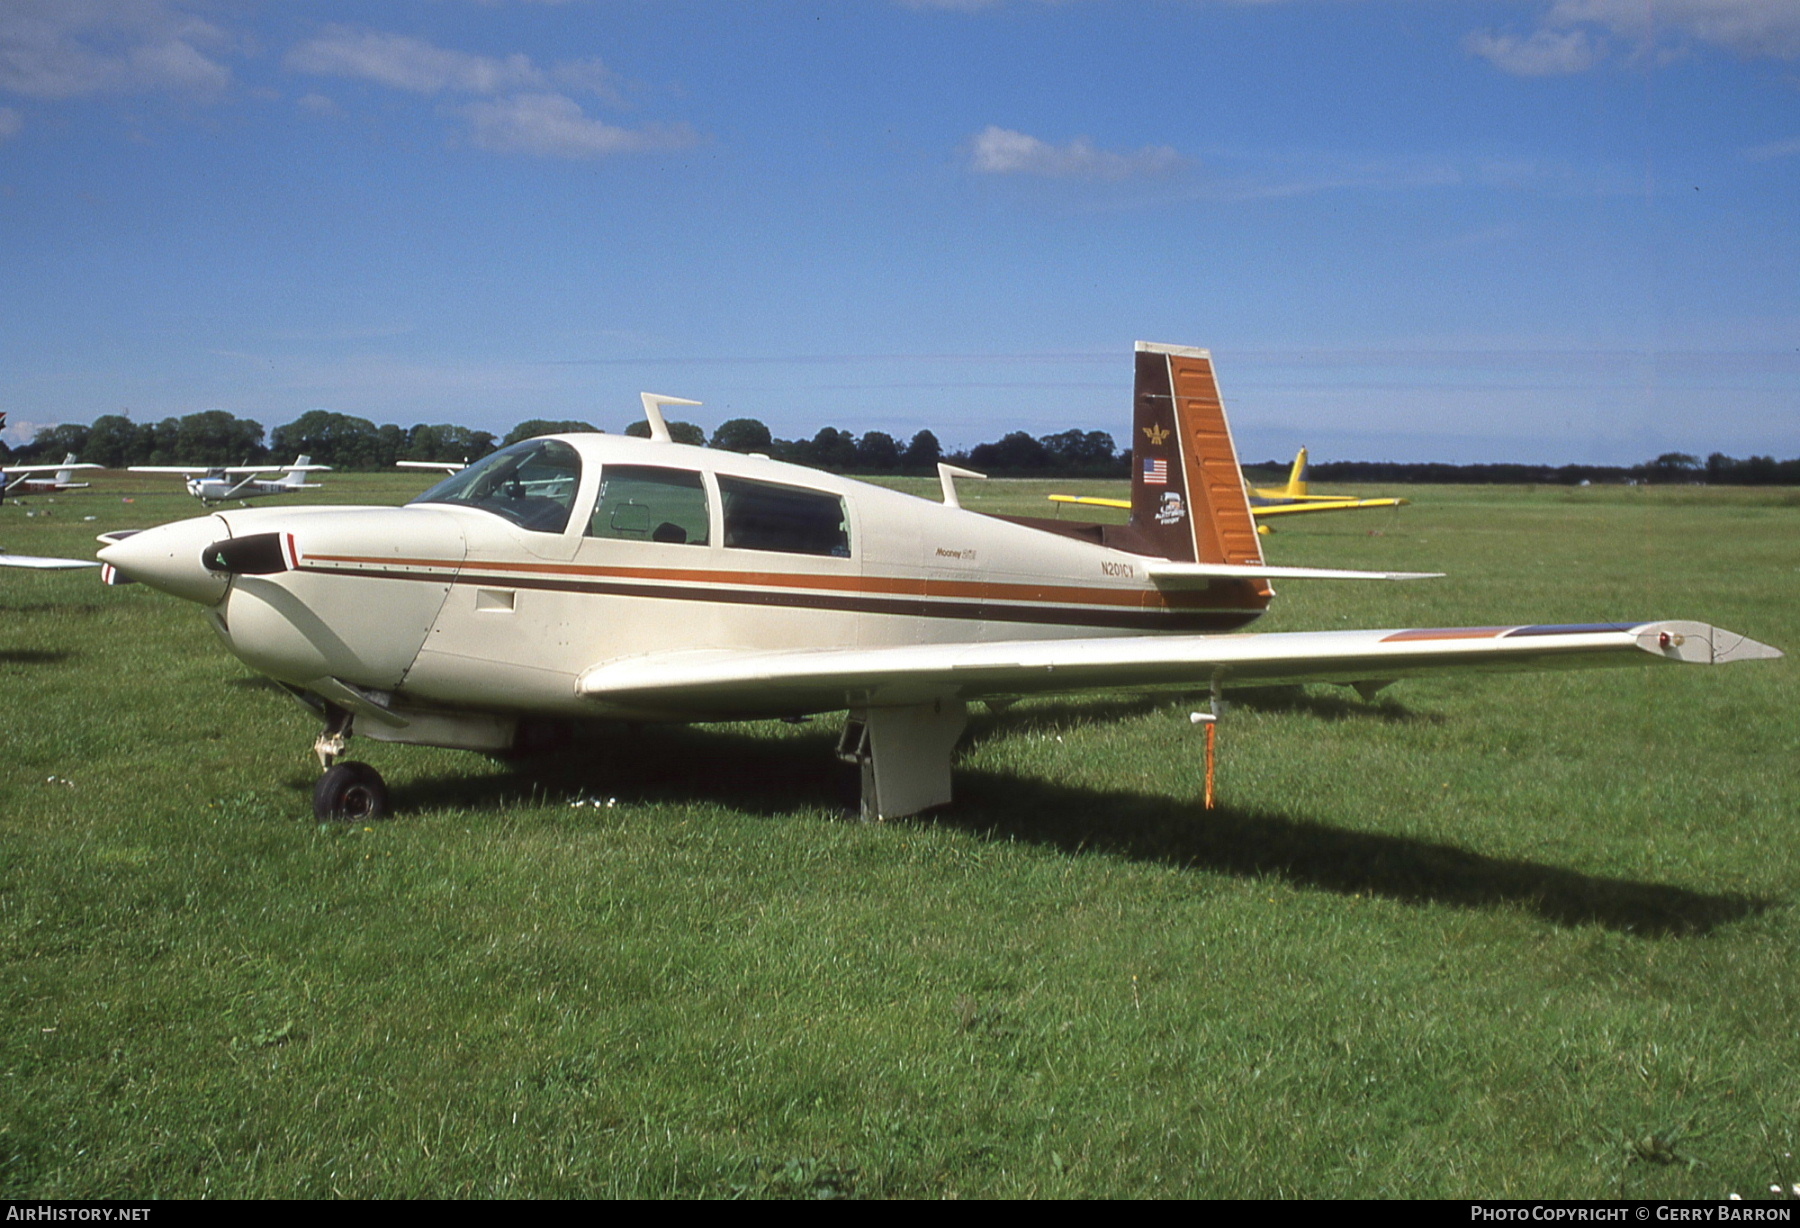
<point>576,577</point>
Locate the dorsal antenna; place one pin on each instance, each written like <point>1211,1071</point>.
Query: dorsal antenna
<point>947,475</point>
<point>653,403</point>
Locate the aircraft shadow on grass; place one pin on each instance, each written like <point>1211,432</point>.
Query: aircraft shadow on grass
<point>1066,713</point>
<point>771,776</point>
<point>59,609</point>
<point>1335,705</point>
<point>33,656</point>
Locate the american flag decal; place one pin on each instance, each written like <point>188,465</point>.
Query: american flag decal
<point>1156,472</point>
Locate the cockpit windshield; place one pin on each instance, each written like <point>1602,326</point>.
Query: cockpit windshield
<point>532,484</point>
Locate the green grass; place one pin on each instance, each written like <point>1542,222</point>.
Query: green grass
<point>1522,935</point>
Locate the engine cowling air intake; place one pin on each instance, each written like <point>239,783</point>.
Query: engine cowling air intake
<point>258,554</point>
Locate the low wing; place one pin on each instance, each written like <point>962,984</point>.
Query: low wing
<point>1092,501</point>
<point>725,684</point>
<point>43,564</point>
<point>237,470</point>
<point>1321,503</point>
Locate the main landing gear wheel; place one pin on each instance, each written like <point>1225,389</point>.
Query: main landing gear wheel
<point>350,793</point>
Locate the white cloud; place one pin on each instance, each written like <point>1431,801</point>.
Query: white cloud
<point>319,104</point>
<point>553,126</point>
<point>10,123</point>
<point>1773,150</point>
<point>1572,35</point>
<point>404,63</point>
<point>20,431</point>
<point>522,107</point>
<point>65,48</point>
<point>1544,53</point>
<point>1002,151</point>
<point>1752,28</point>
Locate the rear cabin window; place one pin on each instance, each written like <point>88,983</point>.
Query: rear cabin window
<point>788,519</point>
<point>647,503</point>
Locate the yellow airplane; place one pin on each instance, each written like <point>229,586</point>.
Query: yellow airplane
<point>1292,499</point>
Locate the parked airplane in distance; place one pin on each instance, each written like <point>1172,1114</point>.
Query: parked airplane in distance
<point>1296,496</point>
<point>217,483</point>
<point>573,578</point>
<point>1266,501</point>
<point>24,480</point>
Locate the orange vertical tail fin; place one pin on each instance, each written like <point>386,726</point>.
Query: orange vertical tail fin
<point>1187,493</point>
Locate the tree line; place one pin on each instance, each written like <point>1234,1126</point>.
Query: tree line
<point>215,437</point>
<point>1677,468</point>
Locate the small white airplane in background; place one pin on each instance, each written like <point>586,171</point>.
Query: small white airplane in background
<point>24,480</point>
<point>570,578</point>
<point>217,483</point>
<point>438,466</point>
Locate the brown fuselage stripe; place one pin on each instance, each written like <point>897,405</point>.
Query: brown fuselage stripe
<point>1152,619</point>
<point>966,590</point>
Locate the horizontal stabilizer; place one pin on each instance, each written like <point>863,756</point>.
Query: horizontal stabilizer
<point>1198,575</point>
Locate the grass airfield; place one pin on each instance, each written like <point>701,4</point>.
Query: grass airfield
<point>1503,936</point>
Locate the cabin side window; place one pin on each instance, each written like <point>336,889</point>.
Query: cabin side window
<point>788,519</point>
<point>647,503</point>
<point>531,483</point>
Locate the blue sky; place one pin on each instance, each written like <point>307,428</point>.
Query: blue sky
<point>1532,230</point>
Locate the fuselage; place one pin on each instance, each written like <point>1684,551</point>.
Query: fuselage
<point>218,489</point>
<point>496,597</point>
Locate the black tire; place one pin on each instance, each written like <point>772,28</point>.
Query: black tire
<point>350,793</point>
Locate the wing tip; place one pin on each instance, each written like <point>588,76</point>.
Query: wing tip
<point>1702,644</point>
<point>1730,646</point>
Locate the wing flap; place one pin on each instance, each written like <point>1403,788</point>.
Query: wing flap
<point>724,683</point>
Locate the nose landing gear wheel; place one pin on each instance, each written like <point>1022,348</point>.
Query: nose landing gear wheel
<point>350,793</point>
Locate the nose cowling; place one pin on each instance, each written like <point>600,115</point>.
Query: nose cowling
<point>172,558</point>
